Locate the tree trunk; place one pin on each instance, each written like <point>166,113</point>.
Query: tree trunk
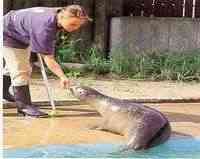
<point>104,10</point>
<point>101,24</point>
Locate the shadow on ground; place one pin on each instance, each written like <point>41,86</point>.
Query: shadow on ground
<point>182,117</point>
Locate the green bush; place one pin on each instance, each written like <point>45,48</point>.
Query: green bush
<point>67,49</point>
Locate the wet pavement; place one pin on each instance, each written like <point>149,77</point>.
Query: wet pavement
<point>70,125</point>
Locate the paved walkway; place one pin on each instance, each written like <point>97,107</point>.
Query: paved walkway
<point>70,126</point>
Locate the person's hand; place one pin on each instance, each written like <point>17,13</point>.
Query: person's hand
<point>65,82</point>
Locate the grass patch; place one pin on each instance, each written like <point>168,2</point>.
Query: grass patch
<point>97,63</point>
<point>158,66</point>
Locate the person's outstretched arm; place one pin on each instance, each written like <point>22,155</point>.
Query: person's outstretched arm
<point>56,69</point>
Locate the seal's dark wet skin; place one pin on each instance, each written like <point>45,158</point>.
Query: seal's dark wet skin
<point>144,127</point>
<point>183,148</point>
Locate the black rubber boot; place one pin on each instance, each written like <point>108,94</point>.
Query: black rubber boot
<point>6,85</point>
<point>23,102</point>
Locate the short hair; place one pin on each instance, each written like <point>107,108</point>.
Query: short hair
<point>76,11</point>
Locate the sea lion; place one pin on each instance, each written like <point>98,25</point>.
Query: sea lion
<point>145,127</point>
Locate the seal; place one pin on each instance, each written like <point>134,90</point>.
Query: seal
<point>144,127</point>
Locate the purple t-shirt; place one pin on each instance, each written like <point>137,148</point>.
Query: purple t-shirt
<point>35,27</point>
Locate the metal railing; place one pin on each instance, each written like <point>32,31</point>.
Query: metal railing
<point>164,8</point>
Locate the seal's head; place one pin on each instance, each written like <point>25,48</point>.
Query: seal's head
<point>84,93</point>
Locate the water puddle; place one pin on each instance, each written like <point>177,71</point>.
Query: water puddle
<point>183,148</point>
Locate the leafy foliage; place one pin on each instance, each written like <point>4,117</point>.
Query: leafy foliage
<point>68,50</point>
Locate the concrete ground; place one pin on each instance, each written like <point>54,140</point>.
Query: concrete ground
<point>70,126</point>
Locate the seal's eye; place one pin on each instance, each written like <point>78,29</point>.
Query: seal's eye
<point>80,91</point>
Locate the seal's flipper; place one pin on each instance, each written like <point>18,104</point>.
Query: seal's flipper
<point>144,136</point>
<point>161,136</point>
<point>134,139</point>
<point>97,126</point>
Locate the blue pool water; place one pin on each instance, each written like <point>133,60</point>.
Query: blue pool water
<point>183,148</point>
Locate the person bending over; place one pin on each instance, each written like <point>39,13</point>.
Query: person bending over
<point>34,30</point>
